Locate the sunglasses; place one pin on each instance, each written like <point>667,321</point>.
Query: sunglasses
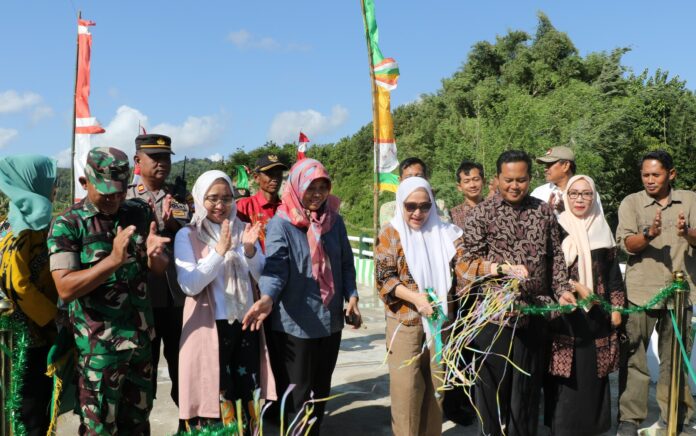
<point>423,207</point>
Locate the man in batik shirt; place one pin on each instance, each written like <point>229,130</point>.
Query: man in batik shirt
<point>515,228</point>
<point>470,181</point>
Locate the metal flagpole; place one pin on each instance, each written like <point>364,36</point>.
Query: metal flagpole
<point>74,125</point>
<point>375,125</point>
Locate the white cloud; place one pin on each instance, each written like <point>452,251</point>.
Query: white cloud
<point>11,101</point>
<point>41,112</point>
<point>195,132</point>
<point>240,38</point>
<point>123,128</point>
<point>217,157</point>
<point>7,135</point>
<point>286,125</point>
<point>64,158</point>
<point>244,40</point>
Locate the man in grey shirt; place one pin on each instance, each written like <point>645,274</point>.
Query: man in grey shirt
<point>656,231</point>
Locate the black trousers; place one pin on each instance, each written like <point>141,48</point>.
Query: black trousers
<point>36,393</point>
<point>456,401</point>
<point>168,323</point>
<point>239,361</point>
<point>502,387</point>
<point>309,365</point>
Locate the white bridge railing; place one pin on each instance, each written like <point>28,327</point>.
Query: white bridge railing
<point>364,260</point>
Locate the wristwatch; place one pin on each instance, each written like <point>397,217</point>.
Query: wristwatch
<point>646,234</point>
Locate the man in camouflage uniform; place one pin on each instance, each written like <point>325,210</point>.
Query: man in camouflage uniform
<point>170,204</point>
<point>100,250</point>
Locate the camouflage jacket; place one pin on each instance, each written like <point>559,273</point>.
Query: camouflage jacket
<point>165,291</point>
<point>117,315</point>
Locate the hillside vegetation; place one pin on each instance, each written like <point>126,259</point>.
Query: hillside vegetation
<point>519,91</point>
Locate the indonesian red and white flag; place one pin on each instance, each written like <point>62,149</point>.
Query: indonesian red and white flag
<point>136,174</point>
<point>85,124</point>
<point>302,146</point>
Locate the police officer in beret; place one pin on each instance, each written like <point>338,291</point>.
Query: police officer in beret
<point>172,208</point>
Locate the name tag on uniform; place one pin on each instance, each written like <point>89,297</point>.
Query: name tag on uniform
<point>179,211</point>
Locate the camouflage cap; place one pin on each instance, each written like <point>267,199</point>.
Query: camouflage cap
<point>107,169</point>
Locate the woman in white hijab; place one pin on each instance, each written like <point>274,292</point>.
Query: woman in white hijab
<point>416,251</point>
<point>584,345</point>
<point>216,255</point>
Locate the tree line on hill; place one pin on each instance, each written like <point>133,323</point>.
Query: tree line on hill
<point>521,91</point>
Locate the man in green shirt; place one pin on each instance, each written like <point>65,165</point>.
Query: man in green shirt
<point>101,250</point>
<point>657,231</point>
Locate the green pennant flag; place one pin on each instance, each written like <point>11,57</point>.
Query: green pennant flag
<point>242,177</point>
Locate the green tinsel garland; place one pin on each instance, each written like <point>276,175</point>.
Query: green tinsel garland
<point>18,354</point>
<point>212,430</point>
<point>586,303</point>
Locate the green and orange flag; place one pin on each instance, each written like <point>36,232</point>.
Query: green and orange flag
<point>386,73</point>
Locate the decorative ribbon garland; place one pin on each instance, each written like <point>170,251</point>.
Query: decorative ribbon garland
<point>18,356</point>
<point>21,340</point>
<point>685,355</point>
<point>214,430</point>
<point>435,321</point>
<point>594,299</point>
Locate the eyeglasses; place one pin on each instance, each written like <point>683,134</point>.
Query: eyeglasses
<point>587,195</point>
<point>214,200</point>
<point>423,207</point>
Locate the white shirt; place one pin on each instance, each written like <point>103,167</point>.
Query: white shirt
<point>195,276</point>
<point>545,191</point>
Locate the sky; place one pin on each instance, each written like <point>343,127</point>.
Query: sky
<point>222,75</point>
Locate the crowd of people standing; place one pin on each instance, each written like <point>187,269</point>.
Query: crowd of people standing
<point>251,295</point>
<point>558,242</point>
<point>240,296</point>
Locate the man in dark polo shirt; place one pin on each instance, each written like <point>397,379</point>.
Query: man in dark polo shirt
<point>171,209</point>
<point>268,175</point>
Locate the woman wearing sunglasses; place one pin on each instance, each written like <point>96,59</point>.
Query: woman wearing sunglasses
<point>585,346</point>
<point>216,257</point>
<point>415,252</point>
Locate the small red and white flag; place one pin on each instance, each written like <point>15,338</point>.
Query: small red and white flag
<point>136,174</point>
<point>302,146</point>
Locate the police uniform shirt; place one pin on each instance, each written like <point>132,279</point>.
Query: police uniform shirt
<point>181,211</point>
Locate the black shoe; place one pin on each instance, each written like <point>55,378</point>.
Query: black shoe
<point>462,416</point>
<point>627,428</point>
<point>182,427</point>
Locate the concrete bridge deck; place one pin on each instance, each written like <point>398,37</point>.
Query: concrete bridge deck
<point>359,369</point>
